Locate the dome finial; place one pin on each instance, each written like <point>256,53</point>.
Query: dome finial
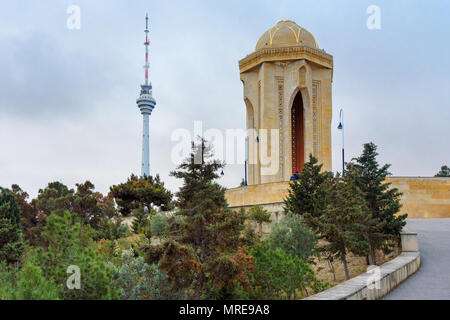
<point>286,20</point>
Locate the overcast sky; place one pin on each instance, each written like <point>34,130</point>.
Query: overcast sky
<point>67,96</point>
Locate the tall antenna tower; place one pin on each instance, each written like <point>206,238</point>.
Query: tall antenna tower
<point>146,103</point>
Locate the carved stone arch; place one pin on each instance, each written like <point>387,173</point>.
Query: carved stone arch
<point>250,114</point>
<point>305,96</point>
<point>302,76</point>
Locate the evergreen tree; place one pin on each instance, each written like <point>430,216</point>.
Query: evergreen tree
<point>70,243</point>
<point>335,209</point>
<point>110,223</point>
<point>158,225</point>
<point>307,196</point>
<point>137,192</point>
<point>28,283</point>
<point>141,220</point>
<point>344,222</point>
<point>9,208</point>
<point>444,172</point>
<point>56,197</point>
<point>11,238</point>
<point>178,261</point>
<point>32,221</point>
<point>258,214</point>
<point>8,280</point>
<point>205,232</point>
<point>90,206</point>
<point>33,286</point>
<point>383,201</point>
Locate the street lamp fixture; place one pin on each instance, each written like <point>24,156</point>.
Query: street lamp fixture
<point>341,127</point>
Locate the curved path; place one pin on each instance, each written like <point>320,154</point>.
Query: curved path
<point>432,280</point>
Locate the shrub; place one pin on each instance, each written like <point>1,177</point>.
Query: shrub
<point>293,236</point>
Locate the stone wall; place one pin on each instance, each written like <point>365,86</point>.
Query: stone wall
<point>422,197</point>
<point>377,282</point>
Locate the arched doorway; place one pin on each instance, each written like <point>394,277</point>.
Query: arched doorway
<point>297,126</point>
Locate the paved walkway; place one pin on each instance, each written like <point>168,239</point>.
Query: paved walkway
<point>432,280</point>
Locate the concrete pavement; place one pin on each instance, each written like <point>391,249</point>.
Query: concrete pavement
<point>432,281</point>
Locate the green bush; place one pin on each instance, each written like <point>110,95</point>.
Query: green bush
<point>137,280</point>
<point>280,275</point>
<point>158,225</point>
<point>293,236</point>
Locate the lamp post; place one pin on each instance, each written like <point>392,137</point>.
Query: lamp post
<point>246,160</point>
<point>341,127</point>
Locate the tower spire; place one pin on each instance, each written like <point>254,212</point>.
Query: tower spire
<point>146,43</point>
<point>146,103</point>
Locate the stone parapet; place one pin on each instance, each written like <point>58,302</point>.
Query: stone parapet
<point>376,283</point>
<point>422,197</point>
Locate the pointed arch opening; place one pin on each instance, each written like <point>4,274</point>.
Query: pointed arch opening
<point>250,114</point>
<point>297,129</point>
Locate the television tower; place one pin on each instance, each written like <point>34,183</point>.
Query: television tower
<point>146,103</point>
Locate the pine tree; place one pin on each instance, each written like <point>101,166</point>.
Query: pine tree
<point>204,231</point>
<point>383,201</point>
<point>70,243</point>
<point>11,238</point>
<point>31,220</point>
<point>28,283</point>
<point>56,197</point>
<point>147,191</point>
<point>308,195</point>
<point>344,222</point>
<point>86,204</point>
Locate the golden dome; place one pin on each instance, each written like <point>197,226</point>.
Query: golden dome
<point>286,33</point>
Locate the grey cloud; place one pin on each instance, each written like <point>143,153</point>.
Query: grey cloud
<point>41,79</point>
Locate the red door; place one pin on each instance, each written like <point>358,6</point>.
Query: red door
<point>298,147</point>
